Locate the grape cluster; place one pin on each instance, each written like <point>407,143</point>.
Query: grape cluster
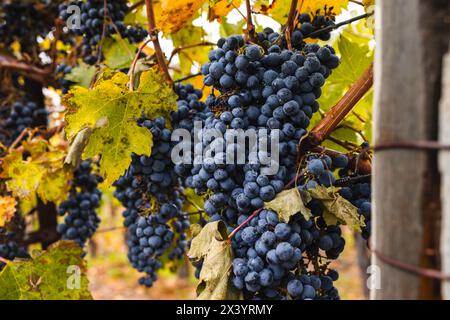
<point>93,17</point>
<point>269,261</point>
<point>24,114</point>
<point>9,248</point>
<point>149,238</point>
<point>23,22</point>
<point>276,91</point>
<point>150,191</point>
<point>81,220</point>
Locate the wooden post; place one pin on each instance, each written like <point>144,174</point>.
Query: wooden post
<point>406,184</point>
<point>444,165</point>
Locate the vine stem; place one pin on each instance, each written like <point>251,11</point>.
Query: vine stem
<point>239,227</point>
<point>27,70</point>
<point>190,46</point>
<point>255,213</point>
<point>337,113</point>
<point>133,65</point>
<point>4,260</point>
<point>356,2</point>
<point>290,22</point>
<point>153,32</point>
<point>137,5</point>
<point>250,25</point>
<point>188,77</point>
<point>338,25</point>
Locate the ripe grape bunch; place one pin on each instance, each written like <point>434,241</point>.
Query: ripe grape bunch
<point>270,90</point>
<point>266,86</point>
<point>269,261</point>
<point>150,190</point>
<point>98,20</point>
<point>9,247</point>
<point>24,114</point>
<point>79,210</point>
<point>24,22</point>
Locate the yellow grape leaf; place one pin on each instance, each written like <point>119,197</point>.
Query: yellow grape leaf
<point>337,209</point>
<point>190,35</point>
<point>319,6</point>
<point>220,8</point>
<point>7,209</point>
<point>110,109</point>
<point>211,245</point>
<point>172,15</point>
<point>41,173</point>
<point>290,202</point>
<point>276,9</point>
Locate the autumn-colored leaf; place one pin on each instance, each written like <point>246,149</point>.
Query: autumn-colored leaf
<point>314,6</point>
<point>211,245</point>
<point>220,8</point>
<point>7,209</point>
<point>337,209</point>
<point>111,110</point>
<point>290,202</point>
<point>172,15</point>
<point>42,172</point>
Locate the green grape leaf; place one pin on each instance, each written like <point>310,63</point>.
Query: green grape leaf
<point>190,35</point>
<point>356,57</point>
<point>7,209</point>
<point>337,209</point>
<point>228,29</point>
<point>59,273</point>
<point>211,245</point>
<point>193,203</point>
<point>119,52</point>
<point>290,202</point>
<point>110,109</point>
<point>82,75</point>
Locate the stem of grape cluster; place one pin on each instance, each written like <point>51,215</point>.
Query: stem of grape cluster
<point>250,25</point>
<point>243,224</point>
<point>153,32</point>
<point>336,114</point>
